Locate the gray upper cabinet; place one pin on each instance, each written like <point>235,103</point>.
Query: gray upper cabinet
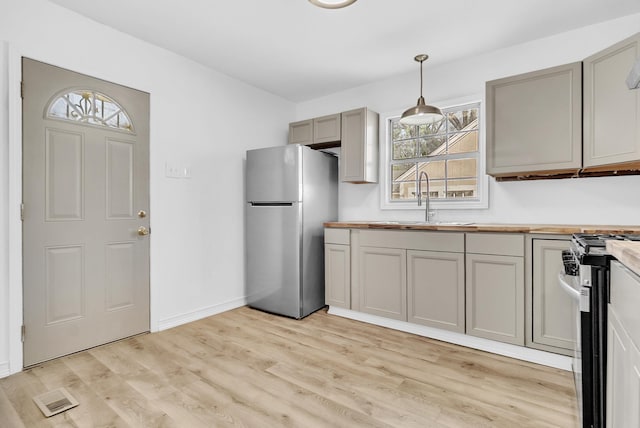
<point>534,122</point>
<point>327,129</point>
<point>359,148</point>
<point>319,130</point>
<point>301,132</point>
<point>355,131</point>
<point>611,110</point>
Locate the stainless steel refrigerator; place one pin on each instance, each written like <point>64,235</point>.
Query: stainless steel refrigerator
<point>291,190</point>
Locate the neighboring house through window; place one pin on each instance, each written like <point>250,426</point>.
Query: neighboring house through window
<point>449,151</point>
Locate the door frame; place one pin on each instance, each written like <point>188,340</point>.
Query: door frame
<point>14,77</point>
<point>15,300</point>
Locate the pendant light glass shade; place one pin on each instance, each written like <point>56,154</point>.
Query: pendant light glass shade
<point>332,4</point>
<point>422,113</point>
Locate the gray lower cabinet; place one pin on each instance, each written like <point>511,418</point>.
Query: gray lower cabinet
<point>412,276</point>
<point>623,376</point>
<point>552,311</point>
<point>534,122</point>
<point>495,287</point>
<point>427,278</point>
<point>337,267</point>
<point>611,110</point>
<point>383,282</point>
<point>435,284</point>
<point>337,275</point>
<point>623,354</point>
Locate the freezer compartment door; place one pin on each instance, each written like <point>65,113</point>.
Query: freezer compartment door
<point>273,258</point>
<point>274,174</point>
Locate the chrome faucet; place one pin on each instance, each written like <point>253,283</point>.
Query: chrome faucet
<point>426,211</point>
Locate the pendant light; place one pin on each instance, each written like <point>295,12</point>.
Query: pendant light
<point>332,4</point>
<point>422,113</point>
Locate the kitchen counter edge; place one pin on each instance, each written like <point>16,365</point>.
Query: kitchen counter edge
<point>627,252</point>
<point>551,229</point>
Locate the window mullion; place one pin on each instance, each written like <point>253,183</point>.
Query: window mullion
<point>459,125</point>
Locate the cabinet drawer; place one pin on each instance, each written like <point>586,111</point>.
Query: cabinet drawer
<point>336,236</point>
<point>428,241</point>
<point>506,244</point>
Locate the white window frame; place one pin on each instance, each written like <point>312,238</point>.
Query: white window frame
<point>479,202</point>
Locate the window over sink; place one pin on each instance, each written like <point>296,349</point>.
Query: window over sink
<point>450,151</point>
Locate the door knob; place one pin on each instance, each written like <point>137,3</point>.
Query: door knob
<point>143,231</point>
<point>142,213</point>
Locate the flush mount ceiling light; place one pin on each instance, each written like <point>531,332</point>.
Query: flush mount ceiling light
<point>332,4</point>
<point>421,113</point>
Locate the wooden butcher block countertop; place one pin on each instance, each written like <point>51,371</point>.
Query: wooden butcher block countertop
<point>628,252</point>
<point>557,229</point>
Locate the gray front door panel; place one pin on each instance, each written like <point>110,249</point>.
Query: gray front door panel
<point>86,269</point>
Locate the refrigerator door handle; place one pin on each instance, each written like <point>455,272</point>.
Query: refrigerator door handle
<point>271,204</point>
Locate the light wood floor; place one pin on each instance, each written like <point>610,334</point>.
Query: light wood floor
<point>248,368</point>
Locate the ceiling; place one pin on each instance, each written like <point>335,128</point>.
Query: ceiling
<point>299,51</point>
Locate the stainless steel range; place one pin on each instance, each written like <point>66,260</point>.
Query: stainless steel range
<point>586,279</point>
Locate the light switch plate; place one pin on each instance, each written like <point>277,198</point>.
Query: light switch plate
<point>172,170</point>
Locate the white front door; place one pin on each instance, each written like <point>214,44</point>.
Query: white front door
<point>86,195</point>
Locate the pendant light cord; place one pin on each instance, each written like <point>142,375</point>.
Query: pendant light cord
<point>421,78</point>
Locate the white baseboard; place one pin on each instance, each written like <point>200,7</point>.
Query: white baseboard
<point>4,369</point>
<point>519,352</point>
<point>177,320</point>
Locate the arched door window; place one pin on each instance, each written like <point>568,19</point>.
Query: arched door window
<point>90,107</point>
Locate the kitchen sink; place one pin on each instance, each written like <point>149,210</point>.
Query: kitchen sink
<point>432,223</point>
<point>452,223</point>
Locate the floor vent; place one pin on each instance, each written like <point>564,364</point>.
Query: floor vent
<point>54,402</point>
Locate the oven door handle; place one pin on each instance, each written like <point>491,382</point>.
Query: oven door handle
<point>581,296</point>
<point>575,294</point>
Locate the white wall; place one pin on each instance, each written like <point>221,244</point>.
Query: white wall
<point>606,200</point>
<point>199,118</point>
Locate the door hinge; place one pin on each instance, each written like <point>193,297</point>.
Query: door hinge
<point>22,332</point>
<point>21,212</point>
<point>21,89</point>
